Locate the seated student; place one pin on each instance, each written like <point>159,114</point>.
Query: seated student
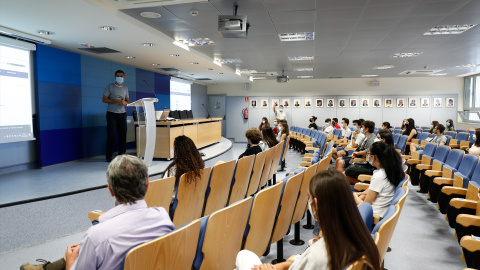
<point>345,237</point>
<point>346,131</point>
<point>386,125</point>
<point>275,125</point>
<point>269,139</point>
<point>357,138</point>
<point>253,137</point>
<point>386,136</point>
<point>335,123</point>
<point>439,139</point>
<point>449,125</point>
<point>282,129</point>
<point>264,123</point>
<point>362,150</point>
<point>410,131</point>
<point>313,125</point>
<point>475,149</point>
<point>328,128</point>
<point>186,158</point>
<point>433,125</point>
<point>127,225</point>
<point>385,180</point>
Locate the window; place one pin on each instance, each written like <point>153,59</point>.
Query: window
<point>471,102</point>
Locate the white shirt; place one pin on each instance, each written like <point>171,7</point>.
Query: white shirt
<point>314,258</point>
<point>280,115</point>
<point>380,184</point>
<point>346,132</point>
<point>358,139</point>
<point>329,129</point>
<point>474,150</point>
<point>263,145</point>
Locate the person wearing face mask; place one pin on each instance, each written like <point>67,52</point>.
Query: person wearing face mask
<point>449,125</point>
<point>116,96</point>
<point>328,128</point>
<point>275,126</point>
<point>280,113</point>
<point>385,180</point>
<point>335,123</point>
<point>432,127</point>
<point>357,138</point>
<point>439,139</point>
<point>475,149</point>
<point>386,136</point>
<point>264,123</point>
<point>313,125</point>
<point>410,131</point>
<point>282,130</point>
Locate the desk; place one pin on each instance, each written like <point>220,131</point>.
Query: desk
<point>202,131</point>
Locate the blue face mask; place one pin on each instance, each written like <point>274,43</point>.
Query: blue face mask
<point>447,124</point>
<point>354,128</point>
<point>327,124</point>
<point>361,130</point>
<point>279,129</point>
<point>474,137</point>
<point>119,80</point>
<point>431,126</point>
<point>275,123</point>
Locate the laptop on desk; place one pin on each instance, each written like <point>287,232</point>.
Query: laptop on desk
<point>163,115</point>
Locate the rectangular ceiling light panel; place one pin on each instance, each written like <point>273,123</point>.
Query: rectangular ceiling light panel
<point>449,29</point>
<point>297,36</point>
<point>301,58</point>
<point>197,42</point>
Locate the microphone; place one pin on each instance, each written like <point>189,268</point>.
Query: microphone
<point>155,96</point>
<point>208,114</point>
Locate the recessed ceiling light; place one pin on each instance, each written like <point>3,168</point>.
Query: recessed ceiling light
<point>468,66</point>
<point>259,78</point>
<point>194,63</point>
<point>148,44</point>
<point>247,71</point>
<point>209,69</point>
<point>87,45</point>
<point>197,42</point>
<point>384,67</point>
<point>300,58</point>
<point>181,45</point>
<point>46,32</point>
<point>303,69</point>
<point>228,61</point>
<point>449,29</point>
<point>437,74</point>
<point>175,55</point>
<point>130,57</point>
<point>297,36</point>
<point>238,72</point>
<point>107,28</point>
<point>155,64</point>
<point>369,76</point>
<point>304,77</point>
<point>406,55</point>
<point>150,15</point>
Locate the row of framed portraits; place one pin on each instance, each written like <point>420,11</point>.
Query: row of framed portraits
<point>399,102</point>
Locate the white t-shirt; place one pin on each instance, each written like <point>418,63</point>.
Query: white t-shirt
<point>346,132</point>
<point>358,139</point>
<point>380,184</point>
<point>474,150</point>
<point>329,129</point>
<point>281,115</point>
<point>263,145</point>
<point>314,258</point>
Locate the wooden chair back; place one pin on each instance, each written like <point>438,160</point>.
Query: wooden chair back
<point>223,236</point>
<point>242,177</point>
<point>287,207</point>
<point>286,147</point>
<point>359,264</point>
<point>257,173</point>
<point>436,165</point>
<point>171,251</point>
<point>478,206</point>
<point>190,198</point>
<point>219,187</point>
<point>404,197</point>
<point>267,166</point>
<point>447,172</point>
<point>160,193</point>
<point>457,181</point>
<point>384,234</point>
<point>426,160</point>
<point>262,218</point>
<point>275,159</point>
<point>472,192</point>
<point>301,204</point>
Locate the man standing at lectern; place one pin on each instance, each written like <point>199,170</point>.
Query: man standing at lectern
<point>116,96</point>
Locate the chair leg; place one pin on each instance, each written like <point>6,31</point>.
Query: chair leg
<point>282,168</point>
<point>297,241</point>
<point>274,179</point>
<point>309,224</point>
<point>279,258</point>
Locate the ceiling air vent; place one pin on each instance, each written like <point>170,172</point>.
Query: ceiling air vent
<point>419,72</point>
<point>203,79</point>
<point>335,77</point>
<point>266,73</point>
<point>169,69</point>
<point>99,50</point>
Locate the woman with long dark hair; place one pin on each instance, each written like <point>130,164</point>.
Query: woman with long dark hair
<point>264,123</point>
<point>449,125</point>
<point>269,139</point>
<point>432,127</point>
<point>186,159</point>
<point>385,180</point>
<point>475,149</point>
<point>282,129</point>
<point>345,236</point>
<point>410,131</point>
<point>386,136</point>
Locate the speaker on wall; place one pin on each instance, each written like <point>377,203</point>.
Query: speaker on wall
<point>247,87</point>
<point>375,83</point>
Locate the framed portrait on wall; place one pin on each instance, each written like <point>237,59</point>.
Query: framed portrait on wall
<point>400,102</point>
<point>275,102</point>
<point>264,104</point>
<point>253,103</point>
<point>365,103</point>
<point>353,103</point>
<point>342,103</point>
<point>286,102</point>
<point>377,102</point>
<point>330,103</point>
<point>412,102</point>
<point>437,102</point>
<point>319,103</point>
<point>296,103</point>
<point>388,103</point>
<point>449,102</point>
<point>308,103</point>
<point>424,102</point>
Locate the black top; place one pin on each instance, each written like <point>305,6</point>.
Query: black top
<point>313,125</point>
<point>251,151</point>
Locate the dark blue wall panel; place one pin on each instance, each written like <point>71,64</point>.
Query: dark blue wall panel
<point>60,145</point>
<point>162,84</point>
<point>94,139</point>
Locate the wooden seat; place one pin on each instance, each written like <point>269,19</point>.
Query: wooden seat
<point>243,171</point>
<point>459,205</point>
<point>160,192</point>
<point>471,251</point>
<point>385,232</point>
<point>223,237</point>
<point>190,197</point>
<point>267,166</point>
<point>171,251</point>
<point>219,187</point>
<point>468,224</point>
<point>276,160</point>
<point>257,173</point>
<point>262,219</point>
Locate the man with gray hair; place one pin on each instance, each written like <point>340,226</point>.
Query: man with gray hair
<point>127,225</point>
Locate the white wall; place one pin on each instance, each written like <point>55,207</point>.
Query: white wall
<point>344,88</point>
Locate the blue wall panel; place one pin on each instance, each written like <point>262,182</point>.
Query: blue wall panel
<point>57,66</point>
<point>162,84</point>
<point>60,145</point>
<point>142,77</point>
<point>94,139</point>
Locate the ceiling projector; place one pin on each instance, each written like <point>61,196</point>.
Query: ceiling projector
<point>232,26</point>
<point>282,79</point>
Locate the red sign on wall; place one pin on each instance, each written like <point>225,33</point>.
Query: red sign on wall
<point>246,99</point>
